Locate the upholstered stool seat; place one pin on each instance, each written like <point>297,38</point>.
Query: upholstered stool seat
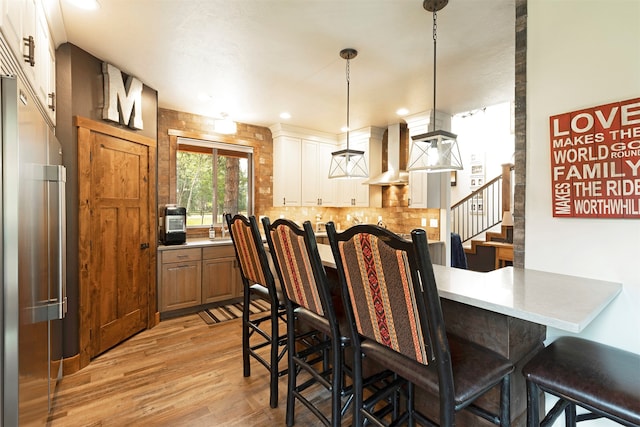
<point>601,379</point>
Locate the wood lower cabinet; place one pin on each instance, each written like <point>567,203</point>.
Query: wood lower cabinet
<point>181,278</point>
<point>220,275</point>
<point>197,276</point>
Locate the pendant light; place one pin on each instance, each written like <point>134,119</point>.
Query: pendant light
<point>348,163</point>
<point>435,151</point>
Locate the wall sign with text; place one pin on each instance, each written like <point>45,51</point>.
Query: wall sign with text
<point>595,161</point>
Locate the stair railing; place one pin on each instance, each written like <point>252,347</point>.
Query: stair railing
<point>483,208</point>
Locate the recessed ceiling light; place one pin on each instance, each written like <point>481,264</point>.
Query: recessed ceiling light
<point>85,4</point>
<point>402,111</point>
<point>285,115</point>
<point>344,128</point>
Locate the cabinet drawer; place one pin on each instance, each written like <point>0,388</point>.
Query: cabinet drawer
<point>218,252</point>
<point>180,255</point>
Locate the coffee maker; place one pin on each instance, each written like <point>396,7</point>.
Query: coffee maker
<point>173,225</point>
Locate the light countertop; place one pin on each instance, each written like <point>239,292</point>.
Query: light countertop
<point>564,302</point>
<point>197,243</point>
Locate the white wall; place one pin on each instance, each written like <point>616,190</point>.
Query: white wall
<point>581,54</point>
<point>488,134</point>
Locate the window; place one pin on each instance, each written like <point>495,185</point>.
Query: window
<point>213,179</point>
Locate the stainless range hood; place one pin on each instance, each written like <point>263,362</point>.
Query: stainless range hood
<point>393,175</point>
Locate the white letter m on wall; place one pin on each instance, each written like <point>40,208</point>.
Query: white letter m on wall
<point>128,96</point>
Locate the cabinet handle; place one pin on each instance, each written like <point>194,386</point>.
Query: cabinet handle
<point>183,256</point>
<point>409,201</point>
<point>52,101</point>
<point>144,246</point>
<point>30,57</point>
<point>284,200</point>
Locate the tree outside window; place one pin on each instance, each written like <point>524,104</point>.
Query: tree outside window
<point>200,170</point>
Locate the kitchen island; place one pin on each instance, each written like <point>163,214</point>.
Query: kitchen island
<point>508,311</point>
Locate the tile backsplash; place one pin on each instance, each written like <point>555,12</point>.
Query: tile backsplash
<point>396,219</point>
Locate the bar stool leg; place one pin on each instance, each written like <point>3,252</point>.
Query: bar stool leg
<point>292,372</point>
<point>505,410</point>
<point>533,405</point>
<point>275,370</point>
<point>570,415</point>
<point>357,389</point>
<point>245,334</point>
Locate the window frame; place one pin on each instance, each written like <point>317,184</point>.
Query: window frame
<point>216,148</point>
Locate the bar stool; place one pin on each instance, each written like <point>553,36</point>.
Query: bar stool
<point>603,380</point>
<point>308,300</point>
<point>259,283</point>
<point>391,299</point>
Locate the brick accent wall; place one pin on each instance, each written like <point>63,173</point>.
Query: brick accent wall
<point>201,126</point>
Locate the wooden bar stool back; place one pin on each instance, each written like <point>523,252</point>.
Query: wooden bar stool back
<point>258,282</point>
<point>308,301</point>
<point>391,298</point>
<point>603,380</point>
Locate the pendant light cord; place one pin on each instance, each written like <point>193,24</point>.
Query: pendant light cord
<point>348,84</point>
<point>435,28</point>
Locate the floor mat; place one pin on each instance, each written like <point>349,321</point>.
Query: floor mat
<point>212,316</point>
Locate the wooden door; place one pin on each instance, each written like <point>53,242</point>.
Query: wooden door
<point>117,235</point>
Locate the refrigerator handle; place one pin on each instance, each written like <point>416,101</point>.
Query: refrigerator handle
<point>58,174</point>
<point>62,242</point>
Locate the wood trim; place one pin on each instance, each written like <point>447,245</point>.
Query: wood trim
<point>85,129</point>
<point>228,139</point>
<point>70,365</point>
<point>173,170</point>
<point>116,132</point>
<point>152,207</point>
<point>84,251</point>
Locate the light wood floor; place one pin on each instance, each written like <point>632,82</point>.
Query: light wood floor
<point>180,373</point>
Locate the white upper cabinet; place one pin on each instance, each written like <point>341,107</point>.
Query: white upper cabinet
<point>317,188</point>
<point>12,12</point>
<point>45,68</point>
<point>352,191</point>
<point>418,189</point>
<point>26,31</point>
<point>328,187</point>
<point>301,167</point>
<point>286,171</point>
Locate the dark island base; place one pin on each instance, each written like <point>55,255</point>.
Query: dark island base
<point>516,339</point>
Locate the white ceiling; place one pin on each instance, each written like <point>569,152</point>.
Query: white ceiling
<point>258,58</point>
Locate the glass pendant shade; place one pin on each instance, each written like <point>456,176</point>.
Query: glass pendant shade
<point>435,151</point>
<point>348,164</point>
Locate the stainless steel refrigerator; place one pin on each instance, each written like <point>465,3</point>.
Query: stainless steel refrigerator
<point>33,258</point>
